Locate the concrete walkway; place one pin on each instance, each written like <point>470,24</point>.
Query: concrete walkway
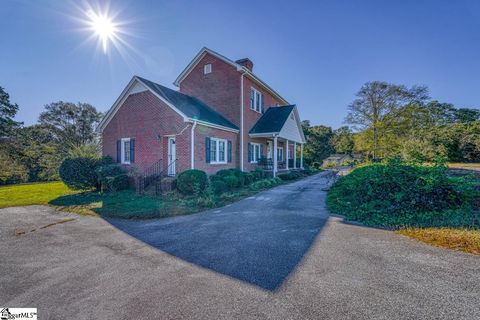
<point>276,255</point>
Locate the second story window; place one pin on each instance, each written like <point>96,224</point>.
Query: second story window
<point>256,100</point>
<point>207,68</point>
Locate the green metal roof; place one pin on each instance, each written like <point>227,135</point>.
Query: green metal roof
<point>272,120</point>
<point>190,106</point>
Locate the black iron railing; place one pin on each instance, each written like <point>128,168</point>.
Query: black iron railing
<point>153,174</point>
<point>267,163</point>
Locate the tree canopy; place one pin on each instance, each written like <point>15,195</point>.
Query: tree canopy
<point>8,110</point>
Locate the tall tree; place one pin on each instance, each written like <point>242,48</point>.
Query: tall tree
<point>71,124</point>
<point>318,145</point>
<point>377,104</point>
<point>8,110</point>
<point>342,140</point>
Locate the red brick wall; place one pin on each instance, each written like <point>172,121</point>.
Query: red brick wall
<point>201,132</point>
<point>144,117</point>
<point>250,117</point>
<point>220,89</point>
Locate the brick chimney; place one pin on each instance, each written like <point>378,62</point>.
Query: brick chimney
<point>247,63</point>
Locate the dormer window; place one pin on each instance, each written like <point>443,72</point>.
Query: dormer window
<point>207,68</point>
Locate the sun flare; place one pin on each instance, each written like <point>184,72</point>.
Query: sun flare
<point>103,27</point>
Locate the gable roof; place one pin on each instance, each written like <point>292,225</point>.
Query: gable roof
<point>192,107</point>
<point>272,120</point>
<point>239,68</point>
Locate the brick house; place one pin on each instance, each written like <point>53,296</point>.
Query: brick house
<point>222,116</point>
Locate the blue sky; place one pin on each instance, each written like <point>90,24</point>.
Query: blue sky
<point>317,54</point>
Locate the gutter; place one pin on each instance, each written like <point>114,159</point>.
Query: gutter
<point>241,121</point>
<point>192,149</point>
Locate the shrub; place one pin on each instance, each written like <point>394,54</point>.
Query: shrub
<point>192,181</point>
<point>292,175</point>
<point>232,182</point>
<point>258,174</point>
<point>249,178</point>
<point>265,183</point>
<point>110,177</point>
<point>116,183</point>
<point>224,173</point>
<point>396,194</point>
<point>215,178</point>
<point>79,173</point>
<point>219,187</point>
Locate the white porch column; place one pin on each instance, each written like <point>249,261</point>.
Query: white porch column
<point>295,155</point>
<point>301,156</point>
<point>275,156</point>
<point>287,151</point>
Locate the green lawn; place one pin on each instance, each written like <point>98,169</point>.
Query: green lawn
<point>122,204</point>
<point>34,193</point>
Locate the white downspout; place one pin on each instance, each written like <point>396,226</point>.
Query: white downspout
<point>241,122</point>
<point>192,149</point>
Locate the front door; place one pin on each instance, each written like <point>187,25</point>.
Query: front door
<point>171,156</point>
<point>269,149</point>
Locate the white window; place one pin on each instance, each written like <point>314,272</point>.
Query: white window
<point>207,68</point>
<point>256,100</point>
<point>218,150</point>
<point>256,152</point>
<point>125,150</point>
<point>280,154</point>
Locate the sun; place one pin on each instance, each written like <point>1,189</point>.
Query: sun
<point>103,27</point>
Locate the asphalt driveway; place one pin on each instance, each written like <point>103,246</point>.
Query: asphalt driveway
<point>277,255</point>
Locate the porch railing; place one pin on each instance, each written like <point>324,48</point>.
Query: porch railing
<point>267,163</point>
<point>153,174</point>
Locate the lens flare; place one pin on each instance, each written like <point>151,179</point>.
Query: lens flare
<point>103,27</point>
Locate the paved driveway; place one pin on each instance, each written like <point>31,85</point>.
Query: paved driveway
<point>276,255</point>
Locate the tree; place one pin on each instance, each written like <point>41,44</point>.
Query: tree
<point>342,140</point>
<point>318,145</point>
<point>8,110</point>
<point>466,115</point>
<point>377,104</point>
<point>71,124</point>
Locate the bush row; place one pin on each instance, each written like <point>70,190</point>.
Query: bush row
<point>396,195</point>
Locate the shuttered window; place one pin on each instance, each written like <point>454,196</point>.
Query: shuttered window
<point>218,150</point>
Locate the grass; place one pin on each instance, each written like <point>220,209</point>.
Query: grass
<point>31,194</point>
<point>467,240</point>
<point>123,204</point>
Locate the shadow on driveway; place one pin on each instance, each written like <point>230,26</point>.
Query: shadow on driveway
<point>259,240</point>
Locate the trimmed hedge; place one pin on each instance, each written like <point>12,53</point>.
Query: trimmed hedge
<point>292,175</point>
<point>265,183</point>
<point>116,183</point>
<point>232,182</point>
<point>79,173</point>
<point>192,181</point>
<point>112,177</point>
<point>219,187</point>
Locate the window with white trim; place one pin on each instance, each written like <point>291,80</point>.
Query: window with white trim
<point>256,152</point>
<point>207,68</point>
<point>218,150</point>
<point>280,154</point>
<point>256,100</point>
<point>125,150</point>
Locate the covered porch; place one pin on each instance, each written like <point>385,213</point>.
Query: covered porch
<point>280,154</point>
<point>280,130</point>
